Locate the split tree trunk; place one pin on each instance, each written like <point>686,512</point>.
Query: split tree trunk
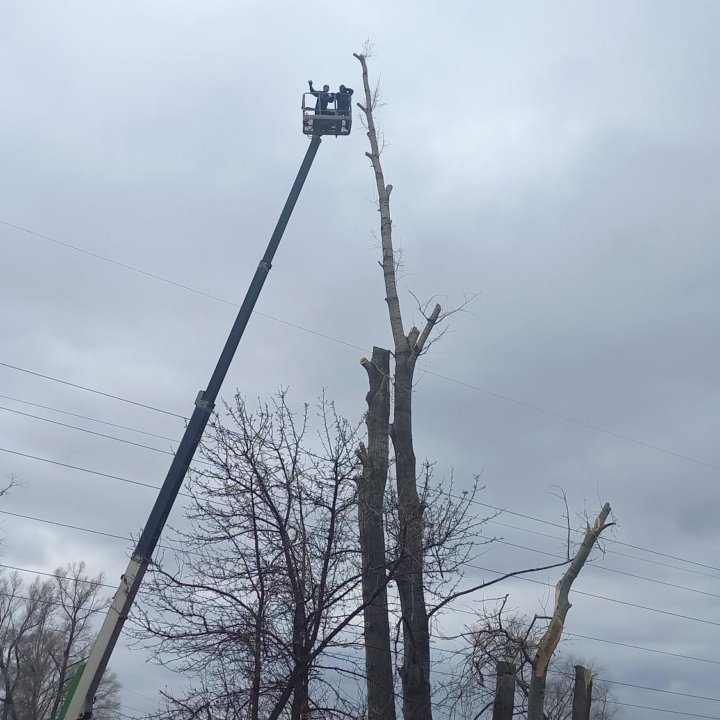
<point>415,670</point>
<point>371,521</point>
<point>551,638</point>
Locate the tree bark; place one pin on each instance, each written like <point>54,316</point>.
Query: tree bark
<point>415,670</point>
<point>371,494</point>
<point>504,704</point>
<point>551,638</point>
<point>582,695</point>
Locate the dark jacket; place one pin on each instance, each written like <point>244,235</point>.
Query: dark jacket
<point>343,101</point>
<point>323,98</point>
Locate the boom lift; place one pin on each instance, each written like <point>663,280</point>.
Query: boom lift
<point>83,687</point>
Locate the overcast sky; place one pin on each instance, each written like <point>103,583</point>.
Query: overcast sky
<point>559,158</point>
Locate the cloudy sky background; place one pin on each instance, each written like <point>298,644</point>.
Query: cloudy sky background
<point>558,158</point>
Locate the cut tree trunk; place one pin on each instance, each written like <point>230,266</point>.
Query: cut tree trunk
<point>582,695</point>
<point>504,704</point>
<point>371,494</point>
<point>415,669</point>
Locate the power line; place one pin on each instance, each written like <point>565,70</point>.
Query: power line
<point>65,525</point>
<point>641,687</point>
<point>91,390</point>
<point>610,569</point>
<point>476,567</point>
<point>604,597</point>
<point>97,434</point>
<point>86,430</point>
<point>659,690</point>
<point>617,553</point>
<point>84,470</point>
<point>580,532</point>
<point>470,386</point>
<point>86,417</point>
<point>575,421</point>
<point>457,497</point>
<point>55,575</point>
<point>45,601</point>
<point>663,710</point>
<point>498,540</point>
<point>644,649</point>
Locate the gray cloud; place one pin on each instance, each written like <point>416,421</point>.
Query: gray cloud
<point>562,161</point>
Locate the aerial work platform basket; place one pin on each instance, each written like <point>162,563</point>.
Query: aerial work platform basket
<point>327,121</point>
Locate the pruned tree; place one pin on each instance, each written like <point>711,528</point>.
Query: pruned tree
<point>429,535</point>
<point>407,348</point>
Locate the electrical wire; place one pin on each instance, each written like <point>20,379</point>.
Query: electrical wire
<point>495,508</point>
<point>83,470</point>
<point>91,390</point>
<point>663,710</point>
<point>644,649</point>
<point>610,569</point>
<point>470,565</point>
<point>56,576</point>
<point>86,430</point>
<point>86,417</point>
<point>462,383</point>
<point>498,540</point>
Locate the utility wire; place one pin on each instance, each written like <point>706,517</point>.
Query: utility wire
<point>56,576</point>
<point>580,532</point>
<point>644,649</point>
<point>604,597</point>
<point>462,383</point>
<point>86,417</point>
<point>496,508</point>
<point>498,540</point>
<point>610,569</point>
<point>84,470</point>
<point>91,390</point>
<point>470,565</point>
<point>97,434</point>
<point>86,430</point>
<point>617,553</point>
<point>663,710</point>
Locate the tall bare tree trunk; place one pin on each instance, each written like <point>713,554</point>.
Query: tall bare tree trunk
<point>551,638</point>
<point>415,670</point>
<point>371,494</point>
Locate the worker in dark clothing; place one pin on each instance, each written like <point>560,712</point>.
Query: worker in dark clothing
<point>343,100</point>
<point>323,96</point>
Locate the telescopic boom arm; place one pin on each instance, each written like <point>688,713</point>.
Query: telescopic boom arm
<point>80,707</point>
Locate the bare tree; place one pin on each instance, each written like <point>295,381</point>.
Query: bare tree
<point>44,632</point>
<point>268,577</point>
<point>20,617</point>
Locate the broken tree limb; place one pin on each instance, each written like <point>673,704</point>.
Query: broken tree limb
<point>551,638</point>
